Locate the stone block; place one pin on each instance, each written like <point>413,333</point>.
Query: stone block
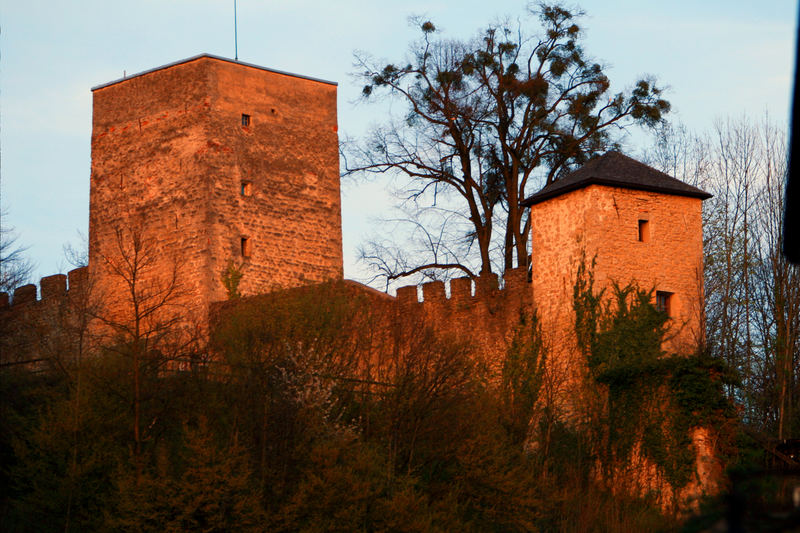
<point>486,284</point>
<point>53,286</point>
<point>25,294</point>
<point>433,292</point>
<point>460,288</point>
<point>78,279</point>
<point>407,295</point>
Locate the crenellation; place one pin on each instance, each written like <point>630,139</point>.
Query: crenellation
<point>486,284</point>
<point>54,286</point>
<point>461,289</point>
<point>51,288</point>
<point>24,295</point>
<point>407,295</point>
<point>433,292</point>
<point>485,320</point>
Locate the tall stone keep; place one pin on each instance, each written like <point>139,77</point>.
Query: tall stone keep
<point>637,225</point>
<point>215,162</point>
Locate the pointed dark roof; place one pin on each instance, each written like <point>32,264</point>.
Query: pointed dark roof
<point>616,170</point>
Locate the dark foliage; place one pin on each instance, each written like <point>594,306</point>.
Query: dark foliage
<point>654,398</point>
<point>309,421</point>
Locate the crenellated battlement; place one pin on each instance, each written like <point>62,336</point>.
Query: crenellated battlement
<point>485,317</point>
<point>52,289</point>
<point>35,330</point>
<point>461,291</point>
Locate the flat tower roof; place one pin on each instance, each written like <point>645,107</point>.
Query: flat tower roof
<point>210,56</point>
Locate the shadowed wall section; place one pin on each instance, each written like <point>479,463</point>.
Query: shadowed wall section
<point>39,333</point>
<point>485,321</point>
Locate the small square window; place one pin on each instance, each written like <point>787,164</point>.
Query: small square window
<point>644,231</point>
<point>246,188</point>
<point>245,120</point>
<point>663,302</point>
<point>246,247</point>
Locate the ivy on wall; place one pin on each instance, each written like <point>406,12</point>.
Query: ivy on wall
<point>654,398</point>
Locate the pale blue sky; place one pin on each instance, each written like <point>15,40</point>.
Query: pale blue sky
<point>719,58</point>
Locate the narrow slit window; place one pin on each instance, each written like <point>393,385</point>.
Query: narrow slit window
<point>644,231</point>
<point>663,302</point>
<point>246,247</point>
<point>245,120</point>
<point>246,188</point>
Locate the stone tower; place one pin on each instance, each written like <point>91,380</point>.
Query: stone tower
<point>215,162</point>
<point>639,225</point>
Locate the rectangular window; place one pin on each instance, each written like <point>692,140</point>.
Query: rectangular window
<point>245,120</point>
<point>644,231</point>
<point>663,301</point>
<point>246,188</point>
<point>245,247</point>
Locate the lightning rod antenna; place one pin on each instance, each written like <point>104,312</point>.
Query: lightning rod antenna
<point>235,34</point>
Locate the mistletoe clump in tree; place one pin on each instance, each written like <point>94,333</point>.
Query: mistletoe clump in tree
<point>485,118</point>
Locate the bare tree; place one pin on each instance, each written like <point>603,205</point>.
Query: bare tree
<point>752,294</point>
<point>680,153</point>
<point>486,118</point>
<point>777,289</point>
<point>15,268</point>
<point>431,250</point>
<point>144,311</point>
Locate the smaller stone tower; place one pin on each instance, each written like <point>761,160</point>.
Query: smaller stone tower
<point>217,162</point>
<point>639,225</point>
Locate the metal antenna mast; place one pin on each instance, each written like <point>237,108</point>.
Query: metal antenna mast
<point>235,34</point>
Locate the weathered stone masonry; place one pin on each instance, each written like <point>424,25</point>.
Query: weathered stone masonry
<point>485,320</point>
<point>216,161</point>
<point>34,331</point>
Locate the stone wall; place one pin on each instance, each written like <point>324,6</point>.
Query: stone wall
<point>170,157</point>
<point>600,224</point>
<point>40,332</point>
<point>484,319</point>
<point>477,312</point>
